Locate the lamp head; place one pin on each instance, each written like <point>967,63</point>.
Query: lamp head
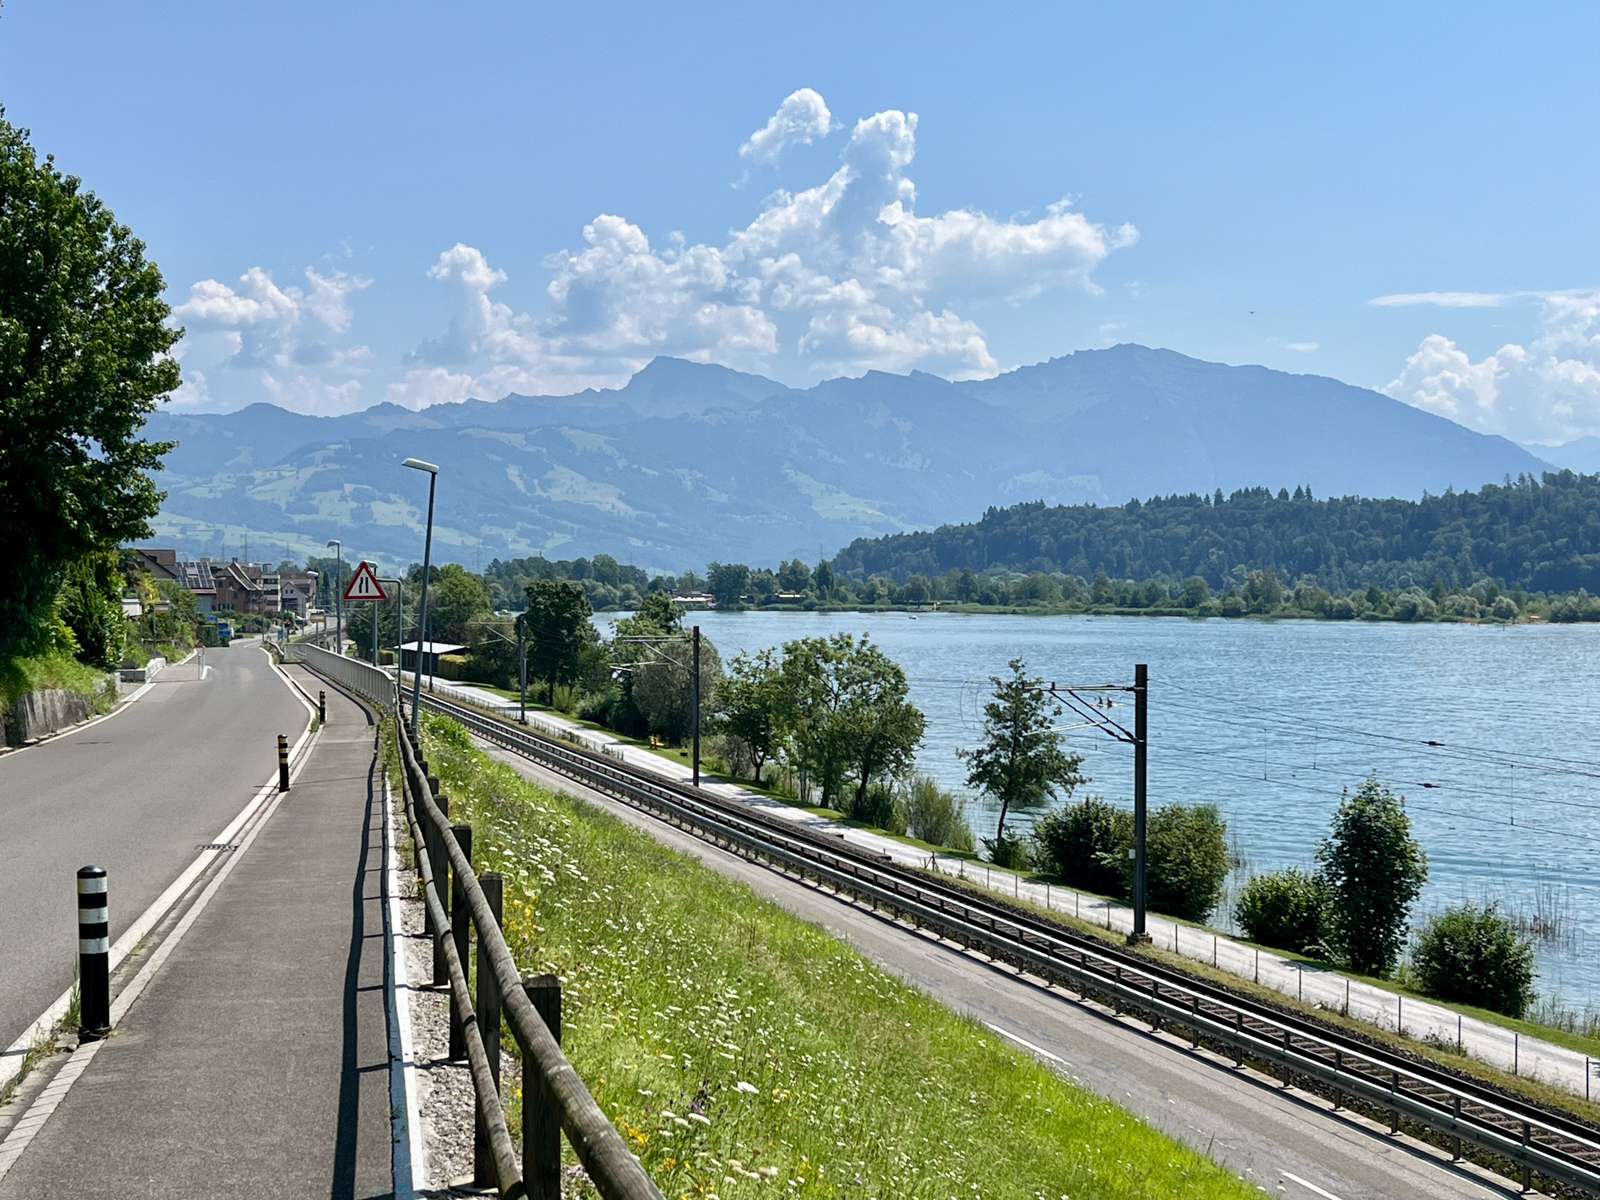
<point>416,464</point>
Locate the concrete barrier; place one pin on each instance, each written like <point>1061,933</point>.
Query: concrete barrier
<point>38,714</point>
<point>145,673</point>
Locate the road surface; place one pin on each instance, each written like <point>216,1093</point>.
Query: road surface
<point>137,794</point>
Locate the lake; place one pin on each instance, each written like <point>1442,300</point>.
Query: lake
<point>1269,720</point>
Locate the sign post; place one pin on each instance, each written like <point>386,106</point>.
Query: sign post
<point>364,585</point>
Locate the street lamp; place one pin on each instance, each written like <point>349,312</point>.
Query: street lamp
<point>417,464</point>
<point>338,598</point>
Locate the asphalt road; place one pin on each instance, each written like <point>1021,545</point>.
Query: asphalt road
<point>1287,1143</point>
<point>138,794</point>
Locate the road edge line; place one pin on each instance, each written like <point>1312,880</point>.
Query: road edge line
<point>409,1155</point>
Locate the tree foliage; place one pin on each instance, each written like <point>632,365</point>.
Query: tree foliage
<point>1284,909</point>
<point>754,706</point>
<point>1374,871</point>
<point>1186,860</point>
<point>1085,844</point>
<point>1476,956</point>
<point>1543,535</point>
<point>83,362</point>
<point>1020,762</point>
<point>91,606</point>
<point>558,631</point>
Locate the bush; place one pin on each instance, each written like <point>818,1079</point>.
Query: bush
<point>876,807</point>
<point>1186,860</point>
<point>1283,909</point>
<point>1504,609</point>
<point>1085,844</point>
<point>935,815</point>
<point>1475,956</point>
<point>1009,850</point>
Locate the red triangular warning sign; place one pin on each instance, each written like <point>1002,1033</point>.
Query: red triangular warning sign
<point>364,585</point>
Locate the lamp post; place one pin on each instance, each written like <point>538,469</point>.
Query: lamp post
<point>338,597</point>
<point>417,464</point>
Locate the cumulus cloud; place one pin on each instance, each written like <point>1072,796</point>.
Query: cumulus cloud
<point>840,278</point>
<point>1546,392</point>
<point>801,117</point>
<point>255,340</point>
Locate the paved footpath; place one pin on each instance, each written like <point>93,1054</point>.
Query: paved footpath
<point>256,1061</point>
<point>1313,984</point>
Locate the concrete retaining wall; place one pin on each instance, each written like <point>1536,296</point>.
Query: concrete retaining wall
<point>37,714</point>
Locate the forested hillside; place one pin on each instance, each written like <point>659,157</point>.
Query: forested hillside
<point>1541,535</point>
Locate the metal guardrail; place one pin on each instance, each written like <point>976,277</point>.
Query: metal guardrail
<point>1528,1138</point>
<point>555,1099</point>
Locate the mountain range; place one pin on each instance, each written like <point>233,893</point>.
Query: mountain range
<point>690,462</point>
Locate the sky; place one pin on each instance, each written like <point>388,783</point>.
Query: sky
<point>360,203</point>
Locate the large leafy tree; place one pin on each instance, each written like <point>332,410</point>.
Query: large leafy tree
<point>849,716</point>
<point>1374,872</point>
<point>754,705</point>
<point>83,362</point>
<point>1020,762</point>
<point>727,582</point>
<point>559,631</point>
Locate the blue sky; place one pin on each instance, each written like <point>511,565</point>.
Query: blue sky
<point>354,203</point>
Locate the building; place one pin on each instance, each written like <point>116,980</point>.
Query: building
<point>297,592</point>
<point>430,657</point>
<point>196,577</point>
<point>239,587</point>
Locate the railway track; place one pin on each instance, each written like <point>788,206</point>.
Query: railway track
<point>1521,1139</point>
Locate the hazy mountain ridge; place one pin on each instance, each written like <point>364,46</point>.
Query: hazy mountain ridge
<point>690,462</point>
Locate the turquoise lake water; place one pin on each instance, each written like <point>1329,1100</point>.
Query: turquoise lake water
<point>1269,720</point>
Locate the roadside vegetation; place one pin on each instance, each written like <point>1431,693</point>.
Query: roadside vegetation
<point>742,1051</point>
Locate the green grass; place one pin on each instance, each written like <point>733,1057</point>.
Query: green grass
<point>22,675</point>
<point>744,1052</point>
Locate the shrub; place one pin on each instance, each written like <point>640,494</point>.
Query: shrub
<point>1504,609</point>
<point>1283,909</point>
<point>1186,860</point>
<point>935,815</point>
<point>1475,956</point>
<point>1085,844</point>
<point>1009,850</point>
<point>876,807</point>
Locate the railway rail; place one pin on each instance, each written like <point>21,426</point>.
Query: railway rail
<point>1530,1139</point>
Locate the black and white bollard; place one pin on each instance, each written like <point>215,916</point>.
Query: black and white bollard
<point>322,708</point>
<point>94,956</point>
<point>283,763</point>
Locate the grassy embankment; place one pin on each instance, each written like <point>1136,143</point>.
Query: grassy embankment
<point>742,1051</point>
<point>46,671</point>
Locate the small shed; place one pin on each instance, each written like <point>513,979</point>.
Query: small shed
<point>431,652</point>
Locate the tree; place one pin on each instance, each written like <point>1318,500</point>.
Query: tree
<point>848,714</point>
<point>91,605</point>
<point>1020,762</point>
<point>1476,956</point>
<point>663,686</point>
<point>753,705</point>
<point>1374,871</point>
<point>660,611</point>
<point>1195,592</point>
<point>558,631</point>
<point>455,598</point>
<point>794,576</point>
<point>727,582</point>
<point>83,363</point>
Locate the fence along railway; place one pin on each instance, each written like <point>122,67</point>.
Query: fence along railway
<point>1520,1138</point>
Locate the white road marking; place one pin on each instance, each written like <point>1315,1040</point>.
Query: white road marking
<point>404,1103</point>
<point>1024,1043</point>
<point>1306,1183</point>
<point>25,1130</point>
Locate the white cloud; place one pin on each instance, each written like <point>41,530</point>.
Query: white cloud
<point>258,341</point>
<point>840,278</point>
<point>1443,299</point>
<point>1301,347</point>
<point>1547,391</point>
<point>801,117</point>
